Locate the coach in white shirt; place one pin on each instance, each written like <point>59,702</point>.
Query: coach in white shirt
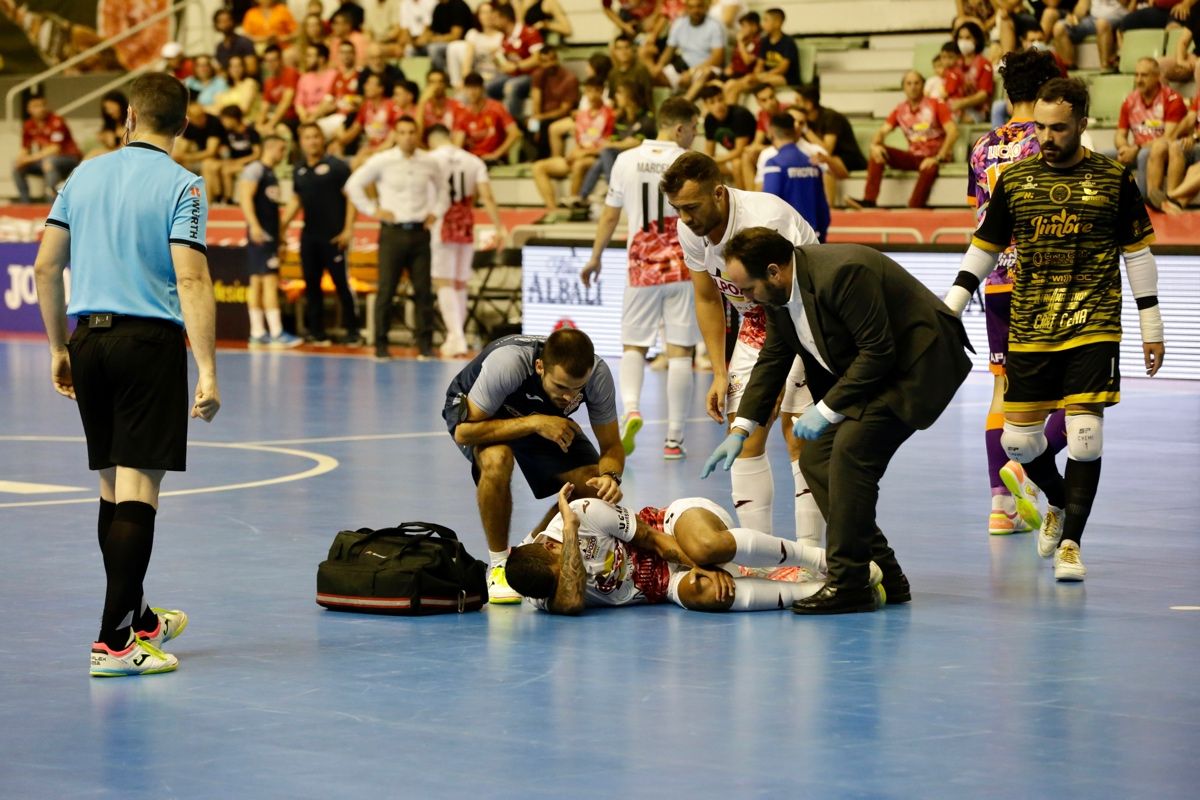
<point>412,195</point>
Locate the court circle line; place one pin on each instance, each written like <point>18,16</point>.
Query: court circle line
<point>323,465</point>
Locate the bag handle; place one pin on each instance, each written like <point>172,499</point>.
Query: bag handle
<point>427,529</point>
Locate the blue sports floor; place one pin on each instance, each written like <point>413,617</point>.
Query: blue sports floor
<point>994,683</point>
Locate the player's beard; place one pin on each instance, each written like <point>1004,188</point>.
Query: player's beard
<point>1056,156</point>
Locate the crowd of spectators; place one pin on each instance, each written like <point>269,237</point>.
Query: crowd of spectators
<point>496,80</point>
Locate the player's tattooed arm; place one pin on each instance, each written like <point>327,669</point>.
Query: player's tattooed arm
<point>572,578</point>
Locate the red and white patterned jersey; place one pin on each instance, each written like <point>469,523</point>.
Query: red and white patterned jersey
<point>746,210</point>
<point>655,257</point>
<point>1148,121</point>
<point>447,114</point>
<point>618,574</point>
<point>377,118</point>
<point>466,173</point>
<point>924,126</point>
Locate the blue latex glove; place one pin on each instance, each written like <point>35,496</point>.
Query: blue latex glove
<point>727,451</point>
<point>810,425</point>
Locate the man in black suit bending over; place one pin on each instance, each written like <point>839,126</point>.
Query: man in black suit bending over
<point>884,356</point>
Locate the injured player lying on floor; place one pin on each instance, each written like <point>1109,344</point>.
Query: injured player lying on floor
<point>596,554</point>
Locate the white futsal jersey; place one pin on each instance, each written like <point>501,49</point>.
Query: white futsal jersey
<point>465,172</point>
<point>746,210</point>
<point>655,257</point>
<point>618,574</point>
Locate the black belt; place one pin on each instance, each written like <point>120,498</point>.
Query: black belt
<point>405,226</point>
<point>100,320</point>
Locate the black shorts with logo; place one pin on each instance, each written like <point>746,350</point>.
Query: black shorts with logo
<point>1088,374</point>
<point>262,259</point>
<point>542,462</point>
<point>132,392</point>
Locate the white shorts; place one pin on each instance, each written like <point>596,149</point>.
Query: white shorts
<point>450,261</point>
<point>674,511</point>
<point>671,305</point>
<point>796,396</point>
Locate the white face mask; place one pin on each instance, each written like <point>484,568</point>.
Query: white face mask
<point>966,47</point>
<point>1040,46</point>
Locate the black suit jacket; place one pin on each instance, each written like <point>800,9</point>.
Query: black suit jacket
<point>882,333</point>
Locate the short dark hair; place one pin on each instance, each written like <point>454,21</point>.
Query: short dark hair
<point>160,101</point>
<point>506,11</point>
<point>1072,91</point>
<point>758,247</point>
<point>220,12</point>
<point>709,92</point>
<point>776,12</point>
<point>571,349</point>
<point>624,37</point>
<point>409,86</point>
<point>441,72</point>
<point>950,47</point>
<point>784,123</point>
<point>594,81</point>
<point>231,111</point>
<point>601,64</point>
<point>810,92</point>
<point>305,125</point>
<point>758,87</point>
<point>437,130</point>
<point>751,16</point>
<point>408,119</point>
<point>322,50</point>
<point>1025,72</point>
<point>690,166</point>
<point>473,79</point>
<point>272,137</point>
<point>676,111</point>
<point>273,48</point>
<point>529,572</point>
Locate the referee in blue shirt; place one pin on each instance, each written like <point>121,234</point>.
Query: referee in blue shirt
<point>132,226</point>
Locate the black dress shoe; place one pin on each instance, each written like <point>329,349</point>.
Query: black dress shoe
<point>897,588</point>
<point>832,600</point>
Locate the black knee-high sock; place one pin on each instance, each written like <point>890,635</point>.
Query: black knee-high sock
<point>1083,477</point>
<point>1044,473</point>
<point>107,510</point>
<point>126,556</point>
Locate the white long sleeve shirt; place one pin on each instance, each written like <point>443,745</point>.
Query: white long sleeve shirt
<point>410,187</point>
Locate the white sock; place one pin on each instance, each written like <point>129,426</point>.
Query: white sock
<point>753,492</point>
<point>274,321</point>
<point>758,549</point>
<point>464,304</point>
<point>633,367</point>
<point>760,594</point>
<point>497,558</point>
<point>810,525</point>
<point>679,395</point>
<point>447,299</point>
<point>258,325</point>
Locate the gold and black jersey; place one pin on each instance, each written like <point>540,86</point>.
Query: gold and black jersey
<point>1070,227</point>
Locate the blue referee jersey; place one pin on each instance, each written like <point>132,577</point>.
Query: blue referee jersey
<point>792,176</point>
<point>125,211</point>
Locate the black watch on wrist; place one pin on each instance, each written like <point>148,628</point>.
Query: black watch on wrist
<point>613,475</point>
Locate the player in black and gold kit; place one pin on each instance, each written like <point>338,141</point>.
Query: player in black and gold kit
<point>1072,214</point>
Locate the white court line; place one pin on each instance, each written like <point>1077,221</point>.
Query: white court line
<point>24,487</point>
<point>323,464</point>
<point>1185,608</point>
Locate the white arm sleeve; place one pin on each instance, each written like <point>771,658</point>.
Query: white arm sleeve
<point>1143,283</point>
<point>976,265</point>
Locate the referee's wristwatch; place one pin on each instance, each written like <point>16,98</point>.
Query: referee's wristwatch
<point>614,475</point>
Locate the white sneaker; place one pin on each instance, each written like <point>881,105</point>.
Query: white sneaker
<point>138,658</point>
<point>498,589</point>
<point>1051,532</point>
<point>171,623</point>
<point>1067,564</point>
<point>1004,519</point>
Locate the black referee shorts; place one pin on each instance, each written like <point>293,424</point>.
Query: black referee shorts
<point>132,391</point>
<point>1086,375</point>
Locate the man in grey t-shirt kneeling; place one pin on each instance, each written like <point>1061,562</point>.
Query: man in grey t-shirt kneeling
<point>512,404</point>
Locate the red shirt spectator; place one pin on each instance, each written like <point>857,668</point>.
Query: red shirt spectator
<point>50,131</point>
<point>594,126</point>
<point>963,80</point>
<point>274,87</point>
<point>377,118</point>
<point>484,128</point>
<point>519,45</point>
<point>1147,120</point>
<point>924,126</point>
<point>444,111</point>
